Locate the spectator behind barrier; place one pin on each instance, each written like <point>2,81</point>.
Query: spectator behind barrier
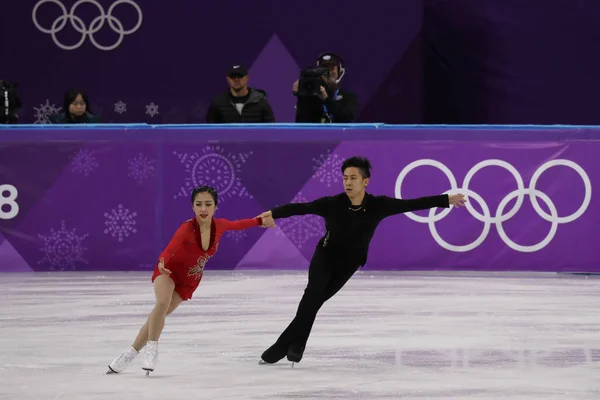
<point>9,102</point>
<point>320,98</point>
<point>78,110</point>
<point>240,104</point>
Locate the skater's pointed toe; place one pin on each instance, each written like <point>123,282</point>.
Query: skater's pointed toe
<point>273,354</point>
<point>295,353</point>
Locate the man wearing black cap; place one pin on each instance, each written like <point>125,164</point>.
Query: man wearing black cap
<point>332,104</point>
<point>240,104</point>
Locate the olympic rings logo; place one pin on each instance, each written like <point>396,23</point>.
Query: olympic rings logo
<point>97,23</point>
<point>499,216</point>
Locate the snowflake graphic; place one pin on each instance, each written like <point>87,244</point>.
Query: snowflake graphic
<point>300,229</point>
<point>236,235</point>
<point>63,248</point>
<point>120,223</point>
<point>141,168</point>
<point>327,168</point>
<point>44,112</point>
<point>152,109</point>
<point>84,162</point>
<point>120,107</point>
<point>216,168</point>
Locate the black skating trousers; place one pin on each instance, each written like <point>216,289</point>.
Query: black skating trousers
<point>325,278</point>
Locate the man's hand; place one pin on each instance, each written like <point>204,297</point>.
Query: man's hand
<point>266,214</point>
<point>457,200</point>
<point>268,222</point>
<point>323,93</point>
<point>267,219</point>
<point>295,86</point>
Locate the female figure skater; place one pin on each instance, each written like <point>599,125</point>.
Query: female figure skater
<point>179,271</point>
<point>350,219</point>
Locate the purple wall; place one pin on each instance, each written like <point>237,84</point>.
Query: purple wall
<point>179,56</point>
<point>437,61</point>
<point>511,61</point>
<point>111,198</point>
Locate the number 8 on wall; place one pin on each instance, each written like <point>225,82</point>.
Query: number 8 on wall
<point>8,195</point>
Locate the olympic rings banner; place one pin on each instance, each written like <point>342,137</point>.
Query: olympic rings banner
<point>87,31</point>
<point>110,198</point>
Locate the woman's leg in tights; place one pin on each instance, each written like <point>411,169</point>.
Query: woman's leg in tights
<point>167,300</point>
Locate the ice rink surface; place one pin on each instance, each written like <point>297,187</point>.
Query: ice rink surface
<point>384,336</point>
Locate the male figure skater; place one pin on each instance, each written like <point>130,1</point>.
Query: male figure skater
<point>350,222</point>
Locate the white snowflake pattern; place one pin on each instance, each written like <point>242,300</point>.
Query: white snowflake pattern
<point>236,235</point>
<point>216,168</point>
<point>44,112</point>
<point>120,222</point>
<point>327,168</point>
<point>63,248</point>
<point>300,229</point>
<point>141,168</point>
<point>120,107</point>
<point>152,109</point>
<point>84,162</point>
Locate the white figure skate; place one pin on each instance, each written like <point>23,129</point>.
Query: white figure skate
<point>151,357</point>
<point>121,362</point>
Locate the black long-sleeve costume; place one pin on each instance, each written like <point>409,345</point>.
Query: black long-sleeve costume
<point>343,249</point>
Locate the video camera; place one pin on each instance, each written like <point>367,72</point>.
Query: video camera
<point>9,102</point>
<point>310,81</point>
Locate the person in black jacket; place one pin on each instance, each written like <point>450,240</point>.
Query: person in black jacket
<point>351,219</point>
<point>76,109</point>
<point>240,104</point>
<point>333,104</point>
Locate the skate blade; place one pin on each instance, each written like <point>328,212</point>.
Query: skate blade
<point>110,371</point>
<point>148,371</point>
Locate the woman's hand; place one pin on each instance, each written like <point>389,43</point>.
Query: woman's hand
<point>162,269</point>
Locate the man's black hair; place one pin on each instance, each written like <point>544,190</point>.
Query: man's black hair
<point>362,163</point>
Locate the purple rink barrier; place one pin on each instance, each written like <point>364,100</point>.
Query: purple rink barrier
<point>110,197</point>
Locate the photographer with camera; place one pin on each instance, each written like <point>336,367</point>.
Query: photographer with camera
<point>320,98</point>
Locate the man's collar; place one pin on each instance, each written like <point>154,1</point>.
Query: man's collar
<point>362,204</point>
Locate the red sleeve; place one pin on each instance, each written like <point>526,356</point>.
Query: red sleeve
<point>239,225</point>
<point>175,243</point>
